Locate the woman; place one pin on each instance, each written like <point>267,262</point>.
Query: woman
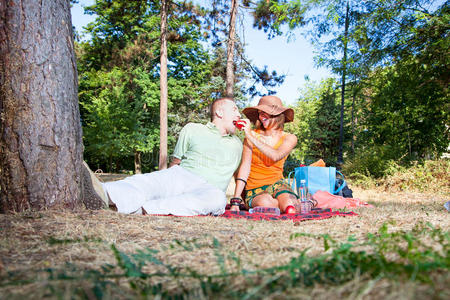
<point>265,151</point>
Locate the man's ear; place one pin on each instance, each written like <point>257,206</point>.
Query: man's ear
<point>219,113</point>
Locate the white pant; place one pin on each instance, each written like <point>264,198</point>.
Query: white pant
<point>173,191</point>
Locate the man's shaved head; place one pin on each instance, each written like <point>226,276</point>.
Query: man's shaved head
<point>217,104</point>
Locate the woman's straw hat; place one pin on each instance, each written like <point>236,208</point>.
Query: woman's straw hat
<point>271,105</point>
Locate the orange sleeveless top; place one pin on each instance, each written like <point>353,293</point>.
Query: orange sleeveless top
<point>263,170</point>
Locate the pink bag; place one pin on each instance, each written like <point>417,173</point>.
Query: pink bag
<point>327,200</point>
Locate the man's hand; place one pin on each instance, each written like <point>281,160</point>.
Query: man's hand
<point>235,202</point>
<point>234,208</point>
<point>175,161</point>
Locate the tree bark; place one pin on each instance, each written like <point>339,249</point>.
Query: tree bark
<point>40,135</point>
<point>163,89</point>
<point>353,122</point>
<point>230,50</point>
<point>340,158</point>
<point>137,162</point>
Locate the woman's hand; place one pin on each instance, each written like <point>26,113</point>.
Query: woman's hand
<point>247,128</point>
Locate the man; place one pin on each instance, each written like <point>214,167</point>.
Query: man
<point>204,161</point>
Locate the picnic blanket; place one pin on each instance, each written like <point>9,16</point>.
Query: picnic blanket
<point>315,214</point>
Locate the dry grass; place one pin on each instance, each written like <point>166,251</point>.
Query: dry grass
<point>37,240</point>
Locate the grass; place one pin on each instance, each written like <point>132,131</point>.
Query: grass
<point>340,263</point>
<point>397,250</point>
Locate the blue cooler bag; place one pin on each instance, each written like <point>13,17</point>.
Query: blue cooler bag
<point>318,178</point>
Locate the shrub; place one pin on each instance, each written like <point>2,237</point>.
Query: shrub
<point>427,176</point>
<point>374,162</point>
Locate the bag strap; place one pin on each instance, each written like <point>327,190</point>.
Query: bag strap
<point>289,179</point>
<point>344,183</point>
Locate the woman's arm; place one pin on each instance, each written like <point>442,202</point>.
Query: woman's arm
<point>286,147</point>
<point>244,171</point>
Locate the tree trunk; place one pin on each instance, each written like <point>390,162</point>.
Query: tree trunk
<point>340,159</point>
<point>230,50</point>
<point>110,166</point>
<point>163,89</point>
<point>40,134</point>
<point>137,162</point>
<point>353,123</point>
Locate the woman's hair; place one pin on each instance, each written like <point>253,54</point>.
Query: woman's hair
<point>278,119</point>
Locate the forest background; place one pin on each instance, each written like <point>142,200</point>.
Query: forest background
<point>385,106</point>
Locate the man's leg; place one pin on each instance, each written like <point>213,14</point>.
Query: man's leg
<point>204,200</point>
<point>130,194</point>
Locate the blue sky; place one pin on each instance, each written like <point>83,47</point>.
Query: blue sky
<point>294,58</point>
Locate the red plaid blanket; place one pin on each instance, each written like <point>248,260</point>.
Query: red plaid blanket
<point>315,214</point>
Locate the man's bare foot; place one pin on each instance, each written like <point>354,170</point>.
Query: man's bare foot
<point>94,196</point>
<point>111,204</point>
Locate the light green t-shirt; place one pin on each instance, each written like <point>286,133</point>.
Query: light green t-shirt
<point>205,152</point>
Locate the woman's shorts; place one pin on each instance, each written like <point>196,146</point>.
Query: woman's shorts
<point>276,189</point>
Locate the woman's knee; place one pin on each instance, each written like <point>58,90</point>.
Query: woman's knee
<point>286,199</point>
<point>265,200</point>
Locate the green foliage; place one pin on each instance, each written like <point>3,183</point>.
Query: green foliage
<point>427,177</point>
<point>403,104</point>
<point>119,79</point>
<point>250,79</point>
<point>397,64</point>
<point>325,126</point>
<point>113,125</point>
<point>316,123</point>
<point>395,255</point>
<point>272,15</point>
<point>304,110</point>
<point>376,161</point>
<point>118,70</point>
<point>412,120</point>
<point>416,258</point>
<point>396,101</point>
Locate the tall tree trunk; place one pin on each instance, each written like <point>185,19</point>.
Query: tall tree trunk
<point>110,165</point>
<point>340,158</point>
<point>353,122</point>
<point>230,50</point>
<point>163,88</point>
<point>137,162</point>
<point>40,135</point>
